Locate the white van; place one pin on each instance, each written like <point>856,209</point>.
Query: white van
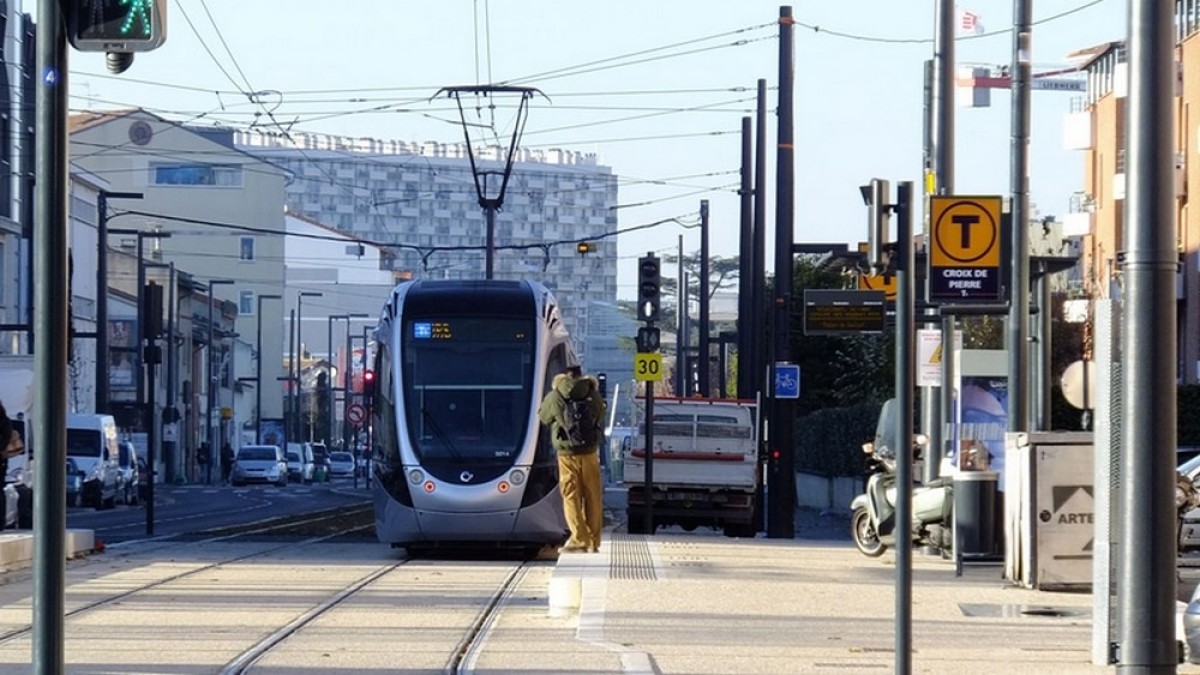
<point>92,443</point>
<point>300,462</point>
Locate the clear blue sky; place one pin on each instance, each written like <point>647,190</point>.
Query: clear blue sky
<point>858,90</point>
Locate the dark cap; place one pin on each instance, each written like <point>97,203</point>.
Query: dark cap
<point>573,371</point>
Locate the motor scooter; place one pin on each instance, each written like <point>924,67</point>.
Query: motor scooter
<point>873,523</point>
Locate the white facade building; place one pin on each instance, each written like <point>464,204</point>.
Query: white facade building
<point>419,203</point>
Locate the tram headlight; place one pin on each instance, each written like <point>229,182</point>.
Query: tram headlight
<point>516,477</point>
<point>416,476</point>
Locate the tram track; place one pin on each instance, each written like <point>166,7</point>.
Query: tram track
<point>267,527</point>
<point>462,657</point>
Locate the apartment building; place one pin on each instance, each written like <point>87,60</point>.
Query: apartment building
<point>1097,127</point>
<point>418,202</point>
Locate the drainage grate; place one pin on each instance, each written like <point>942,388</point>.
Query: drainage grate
<point>1022,611</point>
<point>631,558</point>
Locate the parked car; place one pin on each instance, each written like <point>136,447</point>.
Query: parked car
<point>92,442</point>
<point>74,482</point>
<point>299,463</point>
<point>259,464</point>
<point>320,459</point>
<point>127,462</point>
<point>341,463</point>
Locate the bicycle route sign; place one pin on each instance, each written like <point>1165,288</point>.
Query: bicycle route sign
<point>965,242</point>
<point>787,380</point>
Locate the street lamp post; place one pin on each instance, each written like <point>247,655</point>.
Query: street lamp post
<point>212,377</point>
<point>102,375</point>
<point>345,370</point>
<point>141,314</point>
<point>258,369</point>
<point>299,361</point>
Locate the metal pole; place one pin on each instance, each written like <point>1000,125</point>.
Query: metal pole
<point>491,238</point>
<point>211,388</point>
<point>329,378</point>
<point>102,376</point>
<point>297,408</point>
<point>759,296</point>
<point>1147,543</point>
<point>904,430</point>
<point>745,326</point>
<point>703,355</point>
<point>52,323</point>
<point>1044,326</point>
<point>648,478</point>
<point>937,402</point>
<point>151,346</point>
<point>1018,314</point>
<point>782,522</point>
<point>756,361</point>
<point>258,386</point>
<point>346,400</point>
<point>292,428</point>
<point>102,302</point>
<point>171,458</point>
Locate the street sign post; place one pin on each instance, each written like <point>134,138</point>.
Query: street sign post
<point>355,414</point>
<point>647,367</point>
<point>964,261</point>
<point>787,380</point>
<point>839,312</point>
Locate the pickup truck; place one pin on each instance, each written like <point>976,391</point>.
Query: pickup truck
<point>705,470</point>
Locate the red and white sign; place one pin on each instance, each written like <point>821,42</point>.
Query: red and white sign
<point>356,413</point>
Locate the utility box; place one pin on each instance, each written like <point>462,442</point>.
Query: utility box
<point>1050,509</point>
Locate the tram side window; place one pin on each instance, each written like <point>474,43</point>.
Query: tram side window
<point>385,408</point>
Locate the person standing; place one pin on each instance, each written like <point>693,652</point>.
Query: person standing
<point>204,459</point>
<point>574,411</point>
<point>226,462</point>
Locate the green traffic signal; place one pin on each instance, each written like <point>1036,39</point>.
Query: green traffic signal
<point>116,26</point>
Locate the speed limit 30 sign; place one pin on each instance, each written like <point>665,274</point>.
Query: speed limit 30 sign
<point>647,367</point>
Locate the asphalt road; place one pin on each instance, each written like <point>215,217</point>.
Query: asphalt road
<point>186,509</point>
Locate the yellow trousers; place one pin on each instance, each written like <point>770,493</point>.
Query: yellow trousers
<point>583,498</point>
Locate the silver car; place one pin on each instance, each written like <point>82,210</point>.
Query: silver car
<point>259,464</point>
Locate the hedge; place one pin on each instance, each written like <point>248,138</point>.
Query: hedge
<point>829,442</point>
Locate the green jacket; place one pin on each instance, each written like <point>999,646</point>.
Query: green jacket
<point>551,410</point>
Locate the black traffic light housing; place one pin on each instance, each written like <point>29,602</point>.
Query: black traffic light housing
<point>648,339</point>
<point>368,385</point>
<point>116,26</point>
<point>649,287</point>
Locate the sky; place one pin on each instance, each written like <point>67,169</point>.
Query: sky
<point>656,89</point>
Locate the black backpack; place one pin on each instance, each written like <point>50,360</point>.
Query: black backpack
<point>579,423</point>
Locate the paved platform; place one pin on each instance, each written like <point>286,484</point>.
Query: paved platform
<point>689,603</point>
<point>16,547</point>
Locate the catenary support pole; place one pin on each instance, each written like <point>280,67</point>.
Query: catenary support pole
<point>781,521</point>
<point>1146,549</point>
<point>940,400</point>
<point>1018,315</point>
<point>757,363</point>
<point>702,356</point>
<point>745,327</point>
<point>52,327</point>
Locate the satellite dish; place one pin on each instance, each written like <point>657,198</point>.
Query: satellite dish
<point>1079,384</point>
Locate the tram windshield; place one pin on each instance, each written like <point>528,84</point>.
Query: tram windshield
<point>468,386</point>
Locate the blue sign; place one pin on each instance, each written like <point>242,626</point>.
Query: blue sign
<point>787,380</point>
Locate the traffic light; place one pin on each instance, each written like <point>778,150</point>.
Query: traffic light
<point>649,282</point>
<point>648,339</point>
<point>368,384</point>
<point>116,26</point>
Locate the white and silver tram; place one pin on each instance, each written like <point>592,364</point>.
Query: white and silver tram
<point>459,456</point>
